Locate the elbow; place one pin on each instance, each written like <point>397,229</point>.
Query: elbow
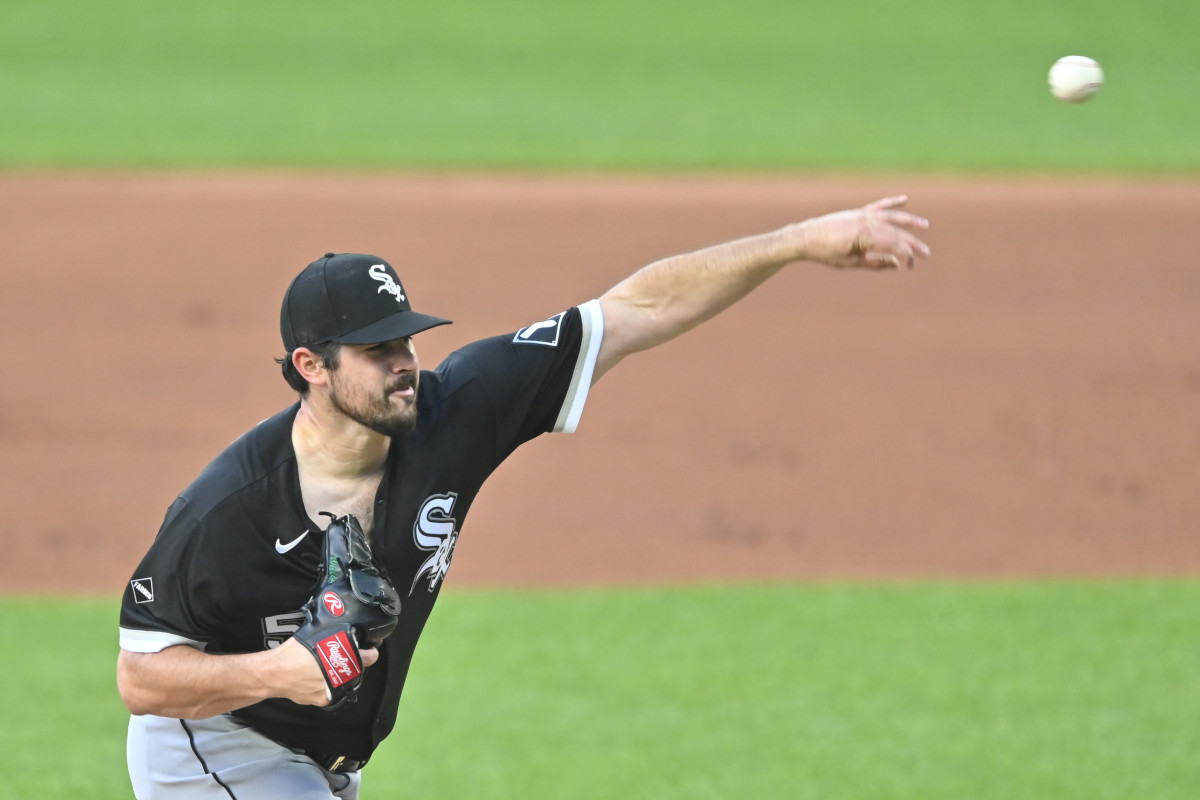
<point>135,707</point>
<point>129,686</point>
<point>633,324</point>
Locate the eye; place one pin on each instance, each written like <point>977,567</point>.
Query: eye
<point>400,344</point>
<point>393,346</point>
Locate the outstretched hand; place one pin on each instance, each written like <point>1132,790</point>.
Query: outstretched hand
<point>675,294</point>
<point>876,236</point>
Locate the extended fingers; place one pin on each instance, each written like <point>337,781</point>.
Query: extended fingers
<point>887,203</point>
<point>903,219</point>
<point>901,248</point>
<point>877,236</point>
<point>914,244</point>
<point>885,209</point>
<point>906,250</point>
<point>899,244</point>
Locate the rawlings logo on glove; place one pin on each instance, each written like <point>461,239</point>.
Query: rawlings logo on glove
<point>355,605</point>
<point>339,660</point>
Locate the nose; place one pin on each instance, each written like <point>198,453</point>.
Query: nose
<point>402,356</point>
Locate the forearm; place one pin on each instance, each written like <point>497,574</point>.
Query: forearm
<point>671,296</point>
<point>186,683</point>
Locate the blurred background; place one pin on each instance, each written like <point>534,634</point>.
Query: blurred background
<point>660,85</point>
<point>944,522</point>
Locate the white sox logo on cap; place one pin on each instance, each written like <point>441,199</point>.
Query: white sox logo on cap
<point>379,272</point>
<point>331,301</point>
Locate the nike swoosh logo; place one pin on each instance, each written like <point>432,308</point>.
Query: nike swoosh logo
<point>280,547</point>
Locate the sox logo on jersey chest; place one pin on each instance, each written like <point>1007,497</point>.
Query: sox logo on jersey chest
<point>435,529</point>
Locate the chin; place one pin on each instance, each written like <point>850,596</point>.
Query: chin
<point>396,426</point>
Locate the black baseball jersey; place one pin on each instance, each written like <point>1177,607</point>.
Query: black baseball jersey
<point>236,556</point>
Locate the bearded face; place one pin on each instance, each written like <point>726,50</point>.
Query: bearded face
<point>390,410</point>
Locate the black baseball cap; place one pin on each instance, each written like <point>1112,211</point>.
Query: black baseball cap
<point>349,298</point>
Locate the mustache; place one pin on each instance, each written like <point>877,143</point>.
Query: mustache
<point>403,382</point>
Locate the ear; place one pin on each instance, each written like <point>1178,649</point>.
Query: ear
<point>309,365</point>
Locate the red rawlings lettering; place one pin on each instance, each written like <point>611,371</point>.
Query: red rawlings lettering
<point>339,660</point>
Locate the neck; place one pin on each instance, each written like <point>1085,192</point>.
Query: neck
<point>336,446</point>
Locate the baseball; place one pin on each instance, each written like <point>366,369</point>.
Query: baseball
<point>1074,79</point>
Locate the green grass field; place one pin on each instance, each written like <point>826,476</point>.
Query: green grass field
<point>1024,690</point>
<point>1053,690</point>
<point>648,85</point>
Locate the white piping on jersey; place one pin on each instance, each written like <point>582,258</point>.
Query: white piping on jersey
<point>592,317</point>
<point>153,641</point>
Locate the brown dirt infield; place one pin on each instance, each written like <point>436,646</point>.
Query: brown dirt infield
<point>1026,403</point>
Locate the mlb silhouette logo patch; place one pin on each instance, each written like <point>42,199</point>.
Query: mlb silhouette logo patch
<point>544,333</point>
<point>143,590</point>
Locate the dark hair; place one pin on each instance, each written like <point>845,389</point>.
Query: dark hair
<point>328,352</point>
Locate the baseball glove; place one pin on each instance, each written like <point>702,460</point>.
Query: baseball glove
<point>354,605</point>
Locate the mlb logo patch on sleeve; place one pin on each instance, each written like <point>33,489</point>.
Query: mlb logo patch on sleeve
<point>143,590</point>
<point>543,333</point>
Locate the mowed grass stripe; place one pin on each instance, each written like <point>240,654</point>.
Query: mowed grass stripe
<point>1033,690</point>
<point>658,85</point>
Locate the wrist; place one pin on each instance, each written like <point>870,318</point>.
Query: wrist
<point>280,669</point>
<point>296,674</point>
<point>794,242</point>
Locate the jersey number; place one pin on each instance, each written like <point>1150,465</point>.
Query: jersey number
<point>279,628</point>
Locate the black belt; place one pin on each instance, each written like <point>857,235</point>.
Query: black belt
<point>336,763</point>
